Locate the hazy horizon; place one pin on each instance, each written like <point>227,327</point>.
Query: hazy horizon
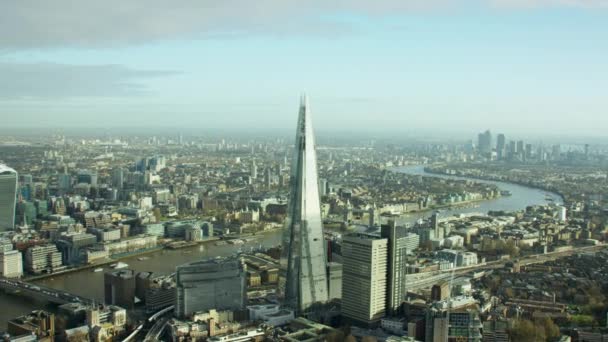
<point>524,68</point>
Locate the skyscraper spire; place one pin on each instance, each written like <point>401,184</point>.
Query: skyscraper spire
<point>303,243</point>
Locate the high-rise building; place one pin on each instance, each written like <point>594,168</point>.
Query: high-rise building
<point>484,142</point>
<point>118,178</point>
<point>64,181</point>
<point>364,278</point>
<point>210,284</point>
<point>25,213</point>
<point>528,152</point>
<point>397,260</point>
<point>520,150</point>
<point>334,280</point>
<point>512,150</point>
<point>501,145</point>
<point>303,246</point>
<point>119,288</point>
<point>267,178</point>
<point>254,170</point>
<point>8,197</point>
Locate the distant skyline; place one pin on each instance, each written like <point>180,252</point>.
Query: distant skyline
<point>464,66</point>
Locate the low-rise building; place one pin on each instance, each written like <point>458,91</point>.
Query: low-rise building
<point>46,258</point>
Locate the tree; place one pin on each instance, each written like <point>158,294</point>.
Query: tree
<point>550,328</point>
<point>524,331</point>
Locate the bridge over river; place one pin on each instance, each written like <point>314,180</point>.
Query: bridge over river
<point>41,292</point>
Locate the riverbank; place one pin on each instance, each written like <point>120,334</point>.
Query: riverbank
<point>176,245</point>
<point>431,171</point>
<point>521,196</point>
<point>116,258</point>
<point>160,262</point>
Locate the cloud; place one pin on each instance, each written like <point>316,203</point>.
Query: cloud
<point>86,23</point>
<point>51,80</point>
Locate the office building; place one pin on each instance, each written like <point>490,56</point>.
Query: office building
<point>72,245</point>
<point>160,293</point>
<point>465,324</point>
<point>25,213</point>
<point>484,142</point>
<point>100,315</point>
<point>303,257</point>
<point>254,170</point>
<point>42,207</point>
<point>440,291</point>
<point>40,259</point>
<point>501,146</point>
<point>520,150</point>
<point>210,284</point>
<point>157,229</point>
<point>8,197</point>
<point>86,177</point>
<point>64,181</point>
<point>364,278</point>
<point>11,264</point>
<point>193,233</point>
<point>118,178</point>
<point>334,280</point>
<point>5,245</point>
<point>119,288</point>
<point>461,323</point>
<point>397,253</point>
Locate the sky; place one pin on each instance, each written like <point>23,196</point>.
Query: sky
<point>383,66</point>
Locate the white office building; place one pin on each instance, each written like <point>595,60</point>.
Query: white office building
<point>11,264</point>
<point>364,278</point>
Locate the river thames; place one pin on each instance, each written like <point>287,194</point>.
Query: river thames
<point>90,284</point>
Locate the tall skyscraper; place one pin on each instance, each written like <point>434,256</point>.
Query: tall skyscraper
<point>484,142</point>
<point>364,278</point>
<point>303,245</point>
<point>501,146</point>
<point>118,177</point>
<point>254,170</point>
<point>397,260</point>
<point>8,197</point>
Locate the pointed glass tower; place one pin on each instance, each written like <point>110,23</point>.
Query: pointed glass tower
<point>303,243</point>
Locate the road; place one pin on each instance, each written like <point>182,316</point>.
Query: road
<point>427,279</point>
<point>42,292</point>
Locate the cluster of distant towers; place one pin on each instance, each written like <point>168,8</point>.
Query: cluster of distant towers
<point>516,150</point>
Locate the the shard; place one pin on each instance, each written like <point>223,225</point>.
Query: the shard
<point>303,243</point>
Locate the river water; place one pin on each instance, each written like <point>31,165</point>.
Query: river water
<point>90,284</point>
<point>521,197</point>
